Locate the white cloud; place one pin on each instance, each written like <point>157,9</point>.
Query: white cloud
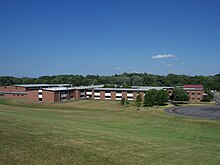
<point>169,65</point>
<point>159,56</point>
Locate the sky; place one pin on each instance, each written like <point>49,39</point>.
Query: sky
<point>107,37</point>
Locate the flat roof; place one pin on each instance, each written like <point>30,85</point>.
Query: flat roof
<point>72,88</point>
<point>41,85</point>
<point>193,86</point>
<point>99,87</point>
<point>151,87</point>
<point>193,89</point>
<point>128,89</point>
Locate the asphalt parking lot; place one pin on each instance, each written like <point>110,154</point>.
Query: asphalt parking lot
<point>207,112</point>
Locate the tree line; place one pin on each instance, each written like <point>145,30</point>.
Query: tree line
<point>125,80</point>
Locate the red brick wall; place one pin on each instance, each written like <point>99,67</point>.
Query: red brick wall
<point>102,95</point>
<point>93,93</point>
<point>134,95</point>
<point>33,95</point>
<point>142,95</point>
<point>15,96</point>
<point>48,96</point>
<point>72,94</point>
<point>124,95</point>
<point>77,94</point>
<point>196,97</point>
<point>113,95</point>
<point>12,89</point>
<point>56,96</point>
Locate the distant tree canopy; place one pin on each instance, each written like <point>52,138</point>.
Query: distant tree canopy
<point>124,80</point>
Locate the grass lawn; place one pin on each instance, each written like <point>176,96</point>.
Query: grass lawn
<point>103,132</point>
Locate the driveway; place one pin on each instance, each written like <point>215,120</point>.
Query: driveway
<point>207,112</point>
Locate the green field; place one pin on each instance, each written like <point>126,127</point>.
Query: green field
<point>103,132</point>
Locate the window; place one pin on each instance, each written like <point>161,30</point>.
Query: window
<point>5,87</point>
<point>13,94</point>
<point>40,99</point>
<point>193,93</point>
<point>198,98</point>
<point>107,96</point>
<point>198,93</point>
<point>16,87</point>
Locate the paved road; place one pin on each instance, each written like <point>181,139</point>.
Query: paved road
<point>208,112</point>
<point>217,99</point>
<point>200,112</point>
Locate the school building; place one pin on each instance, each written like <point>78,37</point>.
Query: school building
<point>62,92</point>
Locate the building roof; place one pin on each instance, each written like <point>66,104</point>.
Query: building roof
<point>151,87</point>
<point>72,88</point>
<point>192,86</point>
<point>100,88</point>
<point>129,89</point>
<point>41,85</point>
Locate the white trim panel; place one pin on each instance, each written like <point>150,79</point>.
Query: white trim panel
<point>107,94</point>
<point>97,94</point>
<point>130,94</point>
<point>118,94</point>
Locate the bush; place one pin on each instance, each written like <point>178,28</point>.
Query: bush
<point>126,103</point>
<point>138,101</point>
<point>123,101</point>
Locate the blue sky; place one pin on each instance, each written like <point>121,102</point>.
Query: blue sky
<point>106,37</point>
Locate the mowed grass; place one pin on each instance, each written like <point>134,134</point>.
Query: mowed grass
<point>103,132</point>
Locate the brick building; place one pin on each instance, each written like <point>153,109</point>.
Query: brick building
<point>195,92</point>
<point>62,92</point>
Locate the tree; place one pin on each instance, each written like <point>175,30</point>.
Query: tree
<point>161,97</point>
<point>209,97</point>
<point>179,94</point>
<point>150,98</point>
<point>127,103</point>
<point>138,101</point>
